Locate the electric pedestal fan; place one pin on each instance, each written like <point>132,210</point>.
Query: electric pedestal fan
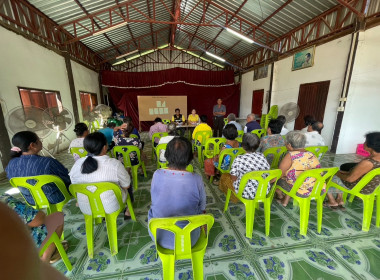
<point>28,118</point>
<point>290,111</point>
<point>58,120</point>
<point>104,112</point>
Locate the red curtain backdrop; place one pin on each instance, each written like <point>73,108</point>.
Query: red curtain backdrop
<point>202,89</point>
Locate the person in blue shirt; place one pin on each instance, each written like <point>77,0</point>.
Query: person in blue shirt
<point>26,162</point>
<point>108,132</point>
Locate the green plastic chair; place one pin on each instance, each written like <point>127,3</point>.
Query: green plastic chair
<point>95,125</point>
<point>322,176</point>
<point>368,199</point>
<point>81,152</point>
<point>98,212</point>
<point>239,139</point>
<point>38,195</point>
<point>204,136</point>
<point>166,121</point>
<point>261,196</point>
<point>240,133</point>
<point>212,147</point>
<point>133,136</point>
<point>154,136</point>
<point>264,121</point>
<point>127,161</point>
<point>259,132</point>
<point>276,154</point>
<point>318,151</point>
<point>273,112</point>
<point>225,121</point>
<point>55,239</point>
<point>182,246</point>
<point>233,153</point>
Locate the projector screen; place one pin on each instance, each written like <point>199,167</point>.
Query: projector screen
<point>151,107</point>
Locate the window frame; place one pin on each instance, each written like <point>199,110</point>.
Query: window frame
<point>57,92</point>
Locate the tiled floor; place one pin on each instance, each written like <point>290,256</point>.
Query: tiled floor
<point>340,251</point>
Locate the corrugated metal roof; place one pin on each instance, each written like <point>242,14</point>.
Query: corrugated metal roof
<point>253,12</point>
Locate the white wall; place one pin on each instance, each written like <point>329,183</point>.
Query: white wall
<point>247,87</point>
<point>329,64</point>
<point>27,64</point>
<point>363,102</point>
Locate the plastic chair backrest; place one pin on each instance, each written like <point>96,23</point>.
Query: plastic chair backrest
<point>214,145</point>
<point>38,195</point>
<point>189,168</point>
<point>225,121</point>
<point>261,192</point>
<point>126,157</point>
<point>322,175</point>
<point>80,151</point>
<point>318,151</point>
<point>166,121</point>
<point>277,154</point>
<point>240,133</point>
<point>158,135</point>
<point>96,205</point>
<point>204,136</point>
<point>365,180</point>
<point>262,120</point>
<point>182,239</point>
<point>273,112</point>
<point>233,153</point>
<point>133,136</point>
<point>259,132</point>
<point>160,147</point>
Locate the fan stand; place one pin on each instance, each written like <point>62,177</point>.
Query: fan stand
<point>47,151</point>
<point>58,139</point>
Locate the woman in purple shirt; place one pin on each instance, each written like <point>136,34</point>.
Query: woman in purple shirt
<point>176,192</point>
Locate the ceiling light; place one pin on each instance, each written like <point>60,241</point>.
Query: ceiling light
<point>124,55</point>
<point>215,56</point>
<point>109,28</point>
<point>119,62</point>
<point>240,35</point>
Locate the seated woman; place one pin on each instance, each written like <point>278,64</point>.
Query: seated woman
<point>166,139</point>
<point>230,132</point>
<point>81,130</point>
<point>296,161</point>
<point>250,161</point>
<point>351,173</point>
<point>96,167</point>
<point>184,190</point>
<point>26,162</point>
<point>272,139</point>
<point>121,137</point>
<point>41,226</point>
<point>193,118</point>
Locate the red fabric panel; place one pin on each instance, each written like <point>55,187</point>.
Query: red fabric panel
<point>201,98</point>
<point>148,79</point>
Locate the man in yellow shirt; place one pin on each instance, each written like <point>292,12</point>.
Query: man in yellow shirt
<point>203,126</point>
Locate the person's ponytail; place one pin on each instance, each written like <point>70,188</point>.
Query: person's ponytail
<point>94,144</point>
<point>89,165</point>
<point>21,142</point>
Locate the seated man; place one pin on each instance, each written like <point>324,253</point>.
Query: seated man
<point>251,124</point>
<point>309,120</point>
<point>313,136</point>
<point>179,120</point>
<point>157,127</point>
<point>108,132</point>
<point>231,118</point>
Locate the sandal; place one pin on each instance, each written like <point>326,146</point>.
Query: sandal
<point>56,255</point>
<point>331,207</point>
<point>341,207</point>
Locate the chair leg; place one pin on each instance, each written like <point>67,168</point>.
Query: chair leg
<point>377,211</point>
<point>90,235</point>
<point>267,205</point>
<point>319,213</point>
<point>134,177</point>
<point>249,218</point>
<point>197,263</point>
<point>62,252</point>
<point>112,233</point>
<point>228,196</point>
<point>367,212</point>
<point>351,198</point>
<point>304,215</point>
<point>130,208</point>
<point>211,179</point>
<point>344,197</point>
<point>144,169</point>
<point>168,267</point>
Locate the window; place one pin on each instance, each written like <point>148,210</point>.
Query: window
<point>40,98</point>
<point>88,102</point>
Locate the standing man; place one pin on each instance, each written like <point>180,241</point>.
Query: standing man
<point>219,112</point>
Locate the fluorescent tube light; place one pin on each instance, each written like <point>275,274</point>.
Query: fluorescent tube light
<point>198,56</point>
<point>215,56</point>
<point>109,28</point>
<point>124,55</point>
<point>240,35</point>
<point>119,62</point>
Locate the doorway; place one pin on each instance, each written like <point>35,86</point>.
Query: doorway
<point>312,99</point>
<point>257,102</point>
